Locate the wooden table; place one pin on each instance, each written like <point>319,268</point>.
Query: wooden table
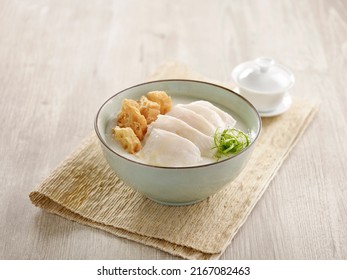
<point>61,59</point>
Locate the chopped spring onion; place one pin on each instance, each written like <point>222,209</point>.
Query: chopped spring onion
<point>229,141</point>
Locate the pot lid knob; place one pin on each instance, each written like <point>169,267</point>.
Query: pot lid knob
<point>264,63</point>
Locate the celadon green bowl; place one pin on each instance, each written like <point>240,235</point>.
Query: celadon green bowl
<point>178,185</point>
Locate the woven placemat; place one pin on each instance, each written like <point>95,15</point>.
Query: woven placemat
<point>84,189</point>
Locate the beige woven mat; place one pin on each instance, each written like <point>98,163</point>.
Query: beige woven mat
<point>84,189</point>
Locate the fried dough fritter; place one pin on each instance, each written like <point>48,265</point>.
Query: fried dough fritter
<point>130,116</point>
<point>127,138</point>
<point>162,99</point>
<point>135,116</point>
<point>149,109</point>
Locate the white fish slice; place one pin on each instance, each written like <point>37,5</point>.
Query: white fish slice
<point>164,148</point>
<point>193,119</point>
<point>181,128</point>
<point>228,120</point>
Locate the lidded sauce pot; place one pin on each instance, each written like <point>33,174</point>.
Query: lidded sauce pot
<point>263,82</point>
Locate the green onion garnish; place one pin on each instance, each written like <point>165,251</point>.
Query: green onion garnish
<point>229,141</point>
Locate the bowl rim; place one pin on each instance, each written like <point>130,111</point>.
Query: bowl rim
<point>176,167</point>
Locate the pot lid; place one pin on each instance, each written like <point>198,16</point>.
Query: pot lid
<point>263,75</point>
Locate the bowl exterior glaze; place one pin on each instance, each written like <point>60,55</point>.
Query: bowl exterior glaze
<point>180,185</point>
<point>176,186</point>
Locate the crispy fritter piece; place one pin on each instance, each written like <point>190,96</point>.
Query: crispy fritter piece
<point>131,102</point>
<point>149,109</point>
<point>130,116</point>
<point>162,99</point>
<point>126,136</point>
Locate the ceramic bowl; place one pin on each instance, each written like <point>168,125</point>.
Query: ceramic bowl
<point>263,82</point>
<point>179,185</point>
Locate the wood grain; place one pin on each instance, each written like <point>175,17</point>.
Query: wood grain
<point>60,60</point>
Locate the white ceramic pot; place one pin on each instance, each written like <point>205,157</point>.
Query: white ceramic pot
<point>263,82</point>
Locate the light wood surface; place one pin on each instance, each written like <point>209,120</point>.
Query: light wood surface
<point>61,59</point>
